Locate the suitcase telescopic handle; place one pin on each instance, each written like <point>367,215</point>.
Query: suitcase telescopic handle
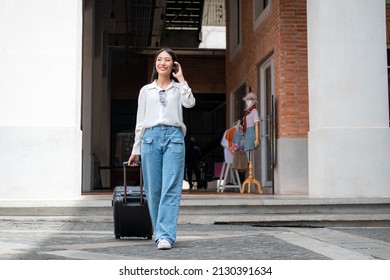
<point>125,165</point>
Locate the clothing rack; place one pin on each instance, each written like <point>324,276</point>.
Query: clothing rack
<point>228,172</point>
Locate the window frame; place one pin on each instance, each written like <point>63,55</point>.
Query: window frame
<point>237,104</point>
<point>260,12</point>
<point>235,27</point>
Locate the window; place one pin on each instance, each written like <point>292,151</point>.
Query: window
<point>388,78</point>
<point>235,26</point>
<point>237,104</point>
<point>261,9</point>
<point>259,6</point>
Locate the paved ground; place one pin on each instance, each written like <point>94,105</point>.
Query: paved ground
<point>42,240</point>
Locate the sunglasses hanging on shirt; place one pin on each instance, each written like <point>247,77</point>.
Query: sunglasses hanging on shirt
<point>162,99</point>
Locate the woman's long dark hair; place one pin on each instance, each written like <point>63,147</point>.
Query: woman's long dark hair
<point>174,58</point>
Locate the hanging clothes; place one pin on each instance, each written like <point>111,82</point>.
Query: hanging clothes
<point>240,160</point>
<point>231,135</point>
<point>228,156</point>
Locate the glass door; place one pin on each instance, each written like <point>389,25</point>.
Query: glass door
<point>266,159</point>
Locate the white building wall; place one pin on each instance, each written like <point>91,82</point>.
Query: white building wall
<point>349,138</point>
<point>291,170</point>
<point>213,37</point>
<point>40,93</point>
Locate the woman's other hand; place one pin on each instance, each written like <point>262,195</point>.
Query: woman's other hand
<point>133,160</point>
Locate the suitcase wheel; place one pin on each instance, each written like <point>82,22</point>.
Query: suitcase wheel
<point>149,237</point>
<point>117,236</point>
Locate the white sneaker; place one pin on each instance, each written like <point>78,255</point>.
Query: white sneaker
<point>162,244</point>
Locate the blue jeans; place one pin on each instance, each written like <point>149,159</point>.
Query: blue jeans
<point>163,155</point>
<point>250,138</point>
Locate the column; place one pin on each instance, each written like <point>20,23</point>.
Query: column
<point>349,137</point>
<point>40,107</point>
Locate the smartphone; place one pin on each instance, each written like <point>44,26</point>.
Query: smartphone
<point>175,67</point>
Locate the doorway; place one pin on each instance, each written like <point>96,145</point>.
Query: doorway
<point>116,63</point>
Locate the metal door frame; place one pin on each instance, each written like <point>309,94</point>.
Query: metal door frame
<point>267,128</point>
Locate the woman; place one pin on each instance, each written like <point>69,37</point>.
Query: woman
<point>159,140</point>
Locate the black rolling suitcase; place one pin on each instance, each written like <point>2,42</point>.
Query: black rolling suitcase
<point>131,213</point>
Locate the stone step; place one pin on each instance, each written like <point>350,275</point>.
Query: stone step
<point>264,210</point>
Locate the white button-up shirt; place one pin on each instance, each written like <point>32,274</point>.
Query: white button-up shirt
<point>152,112</point>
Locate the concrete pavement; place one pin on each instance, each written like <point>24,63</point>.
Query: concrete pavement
<point>43,240</point>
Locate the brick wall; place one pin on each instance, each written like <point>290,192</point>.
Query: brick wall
<point>204,73</point>
<point>282,34</point>
<point>291,78</point>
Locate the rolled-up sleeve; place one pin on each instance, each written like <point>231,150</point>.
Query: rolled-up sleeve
<point>187,98</point>
<point>139,125</point>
